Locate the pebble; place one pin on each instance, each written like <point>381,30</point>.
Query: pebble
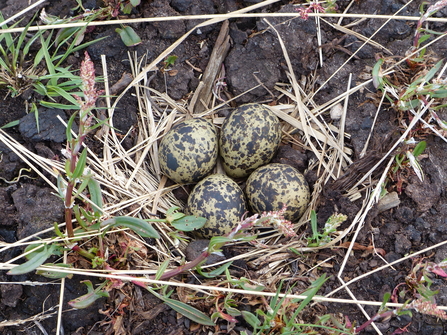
<point>402,245</point>
<point>50,128</point>
<point>404,214</point>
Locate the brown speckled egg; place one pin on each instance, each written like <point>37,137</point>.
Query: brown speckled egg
<point>188,152</point>
<point>271,187</point>
<point>249,138</point>
<point>221,201</point>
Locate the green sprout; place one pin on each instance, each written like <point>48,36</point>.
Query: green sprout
<point>170,61</point>
<point>320,239</point>
<point>410,159</point>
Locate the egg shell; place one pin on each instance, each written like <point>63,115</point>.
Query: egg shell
<point>188,152</point>
<point>271,187</point>
<point>221,201</point>
<point>249,138</point>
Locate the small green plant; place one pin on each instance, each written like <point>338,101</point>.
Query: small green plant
<point>409,159</point>
<point>422,34</point>
<point>319,239</point>
<point>180,222</point>
<point>315,7</point>
<point>128,36</point>
<point>111,9</point>
<point>44,73</point>
<point>423,86</point>
<point>281,314</point>
<point>170,61</point>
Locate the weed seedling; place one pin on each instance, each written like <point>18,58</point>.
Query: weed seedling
<point>319,239</point>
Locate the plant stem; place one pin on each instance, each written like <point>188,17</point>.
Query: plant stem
<point>83,252</point>
<point>185,267</point>
<point>384,315</point>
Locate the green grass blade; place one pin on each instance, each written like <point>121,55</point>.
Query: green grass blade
<point>57,105</point>
<point>188,311</point>
<point>11,124</point>
<point>139,226</point>
<point>95,196</point>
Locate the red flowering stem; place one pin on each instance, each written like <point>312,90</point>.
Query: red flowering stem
<point>185,267</point>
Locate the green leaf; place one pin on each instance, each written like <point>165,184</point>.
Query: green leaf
<point>11,124</point>
<point>217,242</point>
<point>82,187</point>
<point>95,196</point>
<point>172,214</point>
<point>419,148</point>
<point>62,92</point>
<point>128,36</point>
<point>57,105</point>
<point>423,38</point>
<point>135,3</point>
<point>189,223</point>
<point>55,274</point>
<point>46,54</point>
<point>251,319</point>
<point>440,94</point>
<point>170,60</point>
<point>39,247</point>
<point>89,298</point>
<point>39,258</point>
<point>386,298</point>
<point>139,226</point>
<point>65,34</point>
<point>377,74</point>
<point>80,165</point>
<point>161,269</point>
<point>309,293</point>
<point>215,272</point>
<point>69,127</point>
<point>433,71</point>
<point>57,231</point>
<point>186,310</point>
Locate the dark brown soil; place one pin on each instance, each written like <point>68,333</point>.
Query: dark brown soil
<point>419,221</point>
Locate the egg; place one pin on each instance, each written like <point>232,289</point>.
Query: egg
<point>188,152</point>
<point>221,201</point>
<point>249,138</point>
<point>271,187</point>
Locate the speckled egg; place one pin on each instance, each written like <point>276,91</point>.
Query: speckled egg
<point>221,201</point>
<point>188,152</point>
<point>249,138</point>
<point>271,187</point>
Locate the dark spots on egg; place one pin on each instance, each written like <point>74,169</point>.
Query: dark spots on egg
<point>273,185</point>
<point>220,200</point>
<point>188,152</point>
<point>249,138</point>
<point>171,161</point>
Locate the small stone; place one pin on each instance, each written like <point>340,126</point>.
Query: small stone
<point>50,127</point>
<point>367,123</point>
<point>195,249</point>
<point>11,294</point>
<point>404,214</point>
<point>389,201</point>
<point>336,112</point>
<point>287,155</point>
<point>402,245</point>
<point>38,209</point>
